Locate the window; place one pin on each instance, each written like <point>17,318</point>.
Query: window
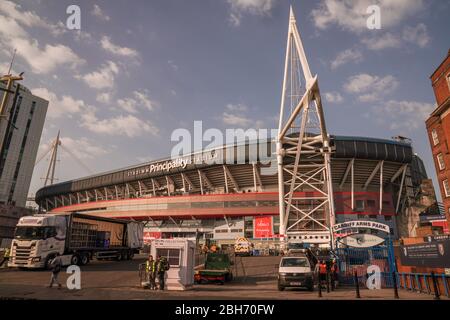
<point>173,256</point>
<point>371,203</point>
<point>387,218</point>
<point>359,205</point>
<point>440,159</point>
<point>446,188</point>
<point>434,136</point>
<point>448,81</point>
<point>373,216</point>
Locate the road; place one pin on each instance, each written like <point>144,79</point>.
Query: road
<point>105,280</point>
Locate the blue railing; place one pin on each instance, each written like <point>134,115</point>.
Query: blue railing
<point>423,282</point>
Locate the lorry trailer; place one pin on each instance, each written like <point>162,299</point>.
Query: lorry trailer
<point>76,237</point>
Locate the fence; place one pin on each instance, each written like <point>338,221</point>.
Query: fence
<point>423,282</point>
<point>351,260</point>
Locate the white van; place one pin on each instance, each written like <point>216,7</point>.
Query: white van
<point>295,271</point>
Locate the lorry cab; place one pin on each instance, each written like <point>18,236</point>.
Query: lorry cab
<point>76,237</point>
<point>295,271</point>
<point>37,239</point>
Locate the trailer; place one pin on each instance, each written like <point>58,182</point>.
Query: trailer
<point>76,237</point>
<point>217,269</point>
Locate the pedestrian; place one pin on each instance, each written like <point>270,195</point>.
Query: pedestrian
<point>162,267</point>
<point>5,257</point>
<point>322,272</point>
<point>55,266</point>
<point>150,269</point>
<point>334,272</point>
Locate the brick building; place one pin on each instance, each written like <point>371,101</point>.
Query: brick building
<point>438,127</point>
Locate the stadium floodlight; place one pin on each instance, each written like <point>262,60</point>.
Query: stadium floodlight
<point>303,151</point>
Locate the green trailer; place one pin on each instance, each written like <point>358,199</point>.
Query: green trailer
<point>217,269</point>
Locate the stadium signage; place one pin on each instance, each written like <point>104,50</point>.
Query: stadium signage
<point>362,240</point>
<point>361,225</point>
<point>168,165</point>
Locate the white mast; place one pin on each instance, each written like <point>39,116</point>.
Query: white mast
<point>303,151</point>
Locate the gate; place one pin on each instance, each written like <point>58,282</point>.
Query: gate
<point>351,260</point>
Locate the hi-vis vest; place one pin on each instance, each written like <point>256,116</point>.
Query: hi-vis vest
<point>150,267</point>
<point>323,268</point>
<point>6,254</point>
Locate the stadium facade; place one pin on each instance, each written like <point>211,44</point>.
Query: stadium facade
<point>232,191</point>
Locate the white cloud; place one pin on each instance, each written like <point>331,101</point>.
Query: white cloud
<point>42,60</point>
<point>334,97</point>
<point>346,56</point>
<point>403,115</point>
<point>235,120</point>
<point>387,40</point>
<point>103,78</point>
<point>104,97</point>
<point>236,107</point>
<point>60,106</point>
<point>129,125</point>
<point>117,50</point>
<point>417,35</point>
<point>83,148</point>
<point>140,99</point>
<point>370,88</point>
<point>352,15</point>
<point>128,104</point>
<point>29,18</point>
<point>239,8</point>
<point>99,13</point>
<point>173,65</point>
<point>236,116</point>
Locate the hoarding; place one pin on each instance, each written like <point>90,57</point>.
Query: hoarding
<point>263,227</point>
<point>435,254</point>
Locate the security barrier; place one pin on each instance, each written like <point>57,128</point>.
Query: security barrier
<point>423,283</point>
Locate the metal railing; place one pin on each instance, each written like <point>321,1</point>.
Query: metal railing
<point>424,283</point>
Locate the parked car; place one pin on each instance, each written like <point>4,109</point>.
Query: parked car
<point>295,271</point>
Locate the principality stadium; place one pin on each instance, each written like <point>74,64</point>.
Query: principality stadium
<point>227,192</point>
<point>296,186</point>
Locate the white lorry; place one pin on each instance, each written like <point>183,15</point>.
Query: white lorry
<point>76,237</point>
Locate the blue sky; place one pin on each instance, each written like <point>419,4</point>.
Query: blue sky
<point>137,70</point>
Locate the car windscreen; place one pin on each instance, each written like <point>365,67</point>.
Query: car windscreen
<point>34,233</point>
<point>294,262</point>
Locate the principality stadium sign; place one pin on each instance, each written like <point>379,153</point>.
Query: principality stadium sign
<point>168,165</point>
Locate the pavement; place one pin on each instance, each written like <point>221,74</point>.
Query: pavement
<point>255,278</point>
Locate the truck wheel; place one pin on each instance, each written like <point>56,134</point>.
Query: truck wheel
<point>84,259</point>
<point>119,256</point>
<point>280,288</point>
<point>130,255</point>
<point>75,260</point>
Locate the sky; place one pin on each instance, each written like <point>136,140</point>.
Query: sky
<point>137,70</point>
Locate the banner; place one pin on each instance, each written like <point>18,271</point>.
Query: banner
<point>361,225</point>
<point>263,227</point>
<point>434,254</point>
<point>149,236</point>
